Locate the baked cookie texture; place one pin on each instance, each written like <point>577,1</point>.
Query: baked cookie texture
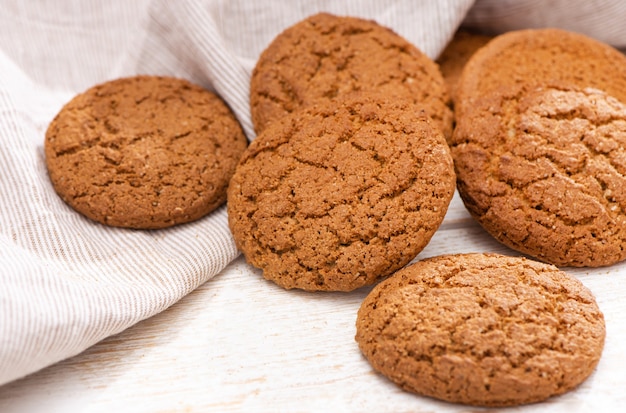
<point>540,158</point>
<point>526,59</point>
<point>341,193</point>
<point>482,329</point>
<point>457,53</point>
<point>143,152</point>
<point>325,56</point>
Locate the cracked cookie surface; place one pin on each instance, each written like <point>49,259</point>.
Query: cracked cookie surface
<point>325,56</point>
<point>482,329</point>
<point>539,142</point>
<point>341,193</point>
<point>143,152</point>
<point>527,59</point>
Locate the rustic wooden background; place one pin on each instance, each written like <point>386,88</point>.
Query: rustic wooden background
<point>241,344</point>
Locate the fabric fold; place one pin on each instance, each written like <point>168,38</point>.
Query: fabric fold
<point>67,282</point>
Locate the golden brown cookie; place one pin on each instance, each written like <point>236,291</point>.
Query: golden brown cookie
<point>143,152</point>
<point>527,59</point>
<point>341,193</point>
<point>325,56</point>
<point>457,53</point>
<point>482,329</point>
<point>539,145</point>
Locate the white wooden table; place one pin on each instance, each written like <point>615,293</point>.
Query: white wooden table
<point>242,344</point>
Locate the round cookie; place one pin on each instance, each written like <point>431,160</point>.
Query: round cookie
<point>325,56</point>
<point>341,193</point>
<point>482,329</point>
<point>143,152</point>
<point>525,59</point>
<point>456,54</point>
<point>538,145</point>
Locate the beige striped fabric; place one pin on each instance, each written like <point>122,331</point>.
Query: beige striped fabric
<point>66,282</point>
<point>604,20</point>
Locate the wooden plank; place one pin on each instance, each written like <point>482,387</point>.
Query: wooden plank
<point>240,343</point>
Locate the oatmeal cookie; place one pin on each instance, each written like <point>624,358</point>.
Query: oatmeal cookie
<point>143,152</point>
<point>457,53</point>
<point>325,56</point>
<point>539,145</point>
<point>482,329</point>
<point>341,193</point>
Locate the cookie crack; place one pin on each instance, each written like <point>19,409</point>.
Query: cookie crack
<point>399,48</point>
<point>84,145</point>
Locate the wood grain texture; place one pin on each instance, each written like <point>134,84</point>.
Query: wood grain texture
<point>240,343</point>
